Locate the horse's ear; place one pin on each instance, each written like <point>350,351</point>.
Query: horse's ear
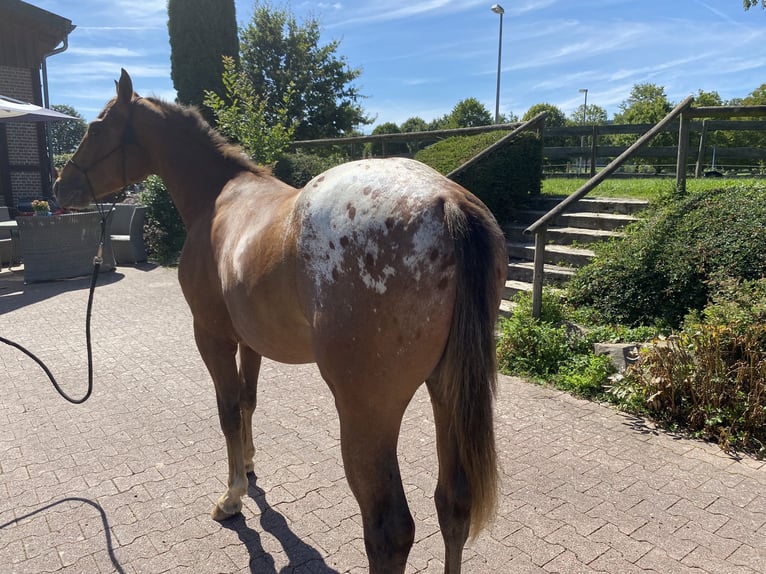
<point>125,88</point>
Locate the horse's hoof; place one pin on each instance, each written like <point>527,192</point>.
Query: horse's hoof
<point>219,515</point>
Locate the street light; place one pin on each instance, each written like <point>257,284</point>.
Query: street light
<point>585,105</point>
<point>497,9</point>
<point>584,120</point>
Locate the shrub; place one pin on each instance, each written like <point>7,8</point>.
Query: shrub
<point>164,232</point>
<point>711,381</point>
<point>585,375</point>
<point>667,263</point>
<point>501,179</point>
<point>297,169</point>
<point>529,346</point>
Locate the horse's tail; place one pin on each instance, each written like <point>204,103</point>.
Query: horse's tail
<point>468,368</point>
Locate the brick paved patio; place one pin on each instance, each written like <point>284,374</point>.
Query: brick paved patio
<point>125,482</point>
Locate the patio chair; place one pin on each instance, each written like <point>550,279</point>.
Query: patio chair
<point>128,233</point>
<point>7,240</point>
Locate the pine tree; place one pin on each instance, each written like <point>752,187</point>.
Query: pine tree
<point>201,33</point>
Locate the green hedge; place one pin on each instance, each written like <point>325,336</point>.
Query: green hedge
<point>502,179</point>
<point>164,232</point>
<point>669,263</point>
<point>297,169</point>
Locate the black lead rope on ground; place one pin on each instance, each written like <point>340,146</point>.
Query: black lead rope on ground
<point>97,260</point>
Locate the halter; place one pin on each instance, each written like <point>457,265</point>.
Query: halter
<point>124,141</point>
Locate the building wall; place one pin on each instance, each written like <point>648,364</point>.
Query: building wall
<point>20,168</point>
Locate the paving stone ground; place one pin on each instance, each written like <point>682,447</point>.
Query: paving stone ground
<point>124,482</point>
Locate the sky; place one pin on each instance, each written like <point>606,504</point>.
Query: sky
<point>420,58</point>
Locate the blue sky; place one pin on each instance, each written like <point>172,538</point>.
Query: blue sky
<point>419,58</point>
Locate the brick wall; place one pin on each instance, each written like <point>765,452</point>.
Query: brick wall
<point>23,139</point>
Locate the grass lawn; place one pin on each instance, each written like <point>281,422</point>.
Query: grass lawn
<point>638,188</point>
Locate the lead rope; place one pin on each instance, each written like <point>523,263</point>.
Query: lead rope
<point>97,260</point>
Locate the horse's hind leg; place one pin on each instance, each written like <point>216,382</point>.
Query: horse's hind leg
<point>220,358</point>
<point>249,367</point>
<point>452,496</point>
<point>369,434</point>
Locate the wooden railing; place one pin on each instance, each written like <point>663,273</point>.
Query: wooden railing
<point>685,113</point>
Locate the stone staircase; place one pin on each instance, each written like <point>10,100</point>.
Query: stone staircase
<point>570,239</point>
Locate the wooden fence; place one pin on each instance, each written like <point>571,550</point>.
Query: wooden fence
<point>595,148</point>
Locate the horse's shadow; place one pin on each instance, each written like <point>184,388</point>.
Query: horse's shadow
<point>301,555</point>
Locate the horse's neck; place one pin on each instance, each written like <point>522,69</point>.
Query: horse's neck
<point>193,170</point>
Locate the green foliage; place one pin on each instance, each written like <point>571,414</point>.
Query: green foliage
<point>164,232</point>
<point>647,104</point>
<point>529,346</point>
<point>66,136</point>
<point>710,380</point>
<point>388,149</point>
<point>734,303</point>
<point>507,175</point>
<point>555,116</point>
<point>414,124</point>
<point>747,4</point>
<point>286,64</point>
<point>469,113</point>
<point>297,169</point>
<point>201,32</point>
<point>499,179</point>
<point>259,126</point>
<point>666,265</point>
<point>550,349</point>
<point>585,374</point>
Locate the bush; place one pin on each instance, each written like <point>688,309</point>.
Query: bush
<point>297,169</point>
<point>668,263</point>
<point>710,378</point>
<point>502,179</point>
<point>164,232</point>
<point>549,348</point>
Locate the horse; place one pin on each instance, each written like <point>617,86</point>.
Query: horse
<point>383,272</point>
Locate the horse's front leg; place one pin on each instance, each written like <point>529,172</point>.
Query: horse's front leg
<point>249,367</point>
<point>220,357</point>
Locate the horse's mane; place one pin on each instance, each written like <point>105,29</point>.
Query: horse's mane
<point>194,124</point>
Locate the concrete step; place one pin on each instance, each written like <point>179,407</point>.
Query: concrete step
<point>552,274</point>
<point>594,204</point>
<point>600,221</point>
<point>514,232</point>
<point>554,254</point>
<point>582,219</point>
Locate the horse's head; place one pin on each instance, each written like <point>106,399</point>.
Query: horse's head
<point>108,157</point>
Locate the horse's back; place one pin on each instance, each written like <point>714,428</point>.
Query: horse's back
<point>376,266</point>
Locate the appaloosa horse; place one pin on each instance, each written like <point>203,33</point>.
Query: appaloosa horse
<point>383,272</point>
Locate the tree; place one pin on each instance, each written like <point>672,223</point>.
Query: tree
<point>554,118</point>
<point>259,126</point>
<point>594,115</point>
<point>279,55</point>
<point>414,124</point>
<point>389,148</point>
<point>469,113</point>
<point>66,136</point>
<point>752,3</point>
<point>201,33</point>
<point>647,104</point>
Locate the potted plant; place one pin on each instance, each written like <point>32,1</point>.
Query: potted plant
<point>40,207</point>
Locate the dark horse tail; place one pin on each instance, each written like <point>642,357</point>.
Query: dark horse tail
<point>468,368</point>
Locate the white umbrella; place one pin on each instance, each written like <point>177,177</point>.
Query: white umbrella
<point>12,110</point>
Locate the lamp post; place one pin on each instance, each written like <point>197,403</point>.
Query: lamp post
<point>584,120</point>
<point>585,105</point>
<point>497,9</point>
